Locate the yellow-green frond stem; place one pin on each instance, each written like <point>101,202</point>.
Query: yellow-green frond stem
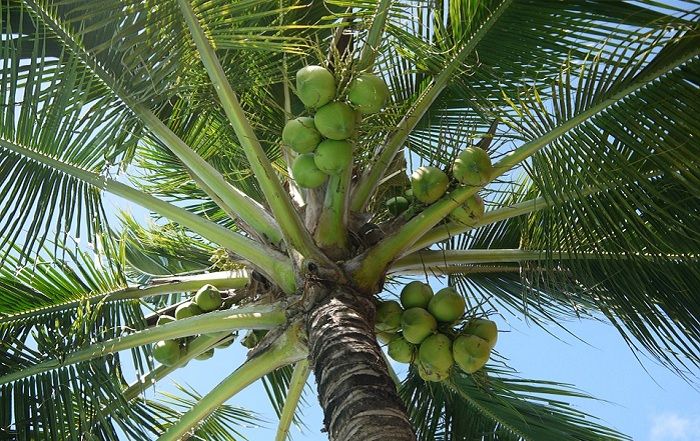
<point>374,36</point>
<point>256,317</point>
<point>396,139</point>
<point>274,264</point>
<point>296,387</point>
<point>196,347</point>
<point>222,280</point>
<point>251,212</point>
<point>286,350</point>
<point>277,198</point>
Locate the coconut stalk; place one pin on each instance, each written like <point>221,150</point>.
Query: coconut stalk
<point>195,348</point>
<point>331,232</point>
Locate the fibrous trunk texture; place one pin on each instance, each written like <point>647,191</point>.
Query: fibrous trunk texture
<point>358,396</point>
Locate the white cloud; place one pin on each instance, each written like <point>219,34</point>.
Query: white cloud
<point>670,426</point>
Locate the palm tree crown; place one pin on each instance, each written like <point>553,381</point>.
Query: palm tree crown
<point>583,114</point>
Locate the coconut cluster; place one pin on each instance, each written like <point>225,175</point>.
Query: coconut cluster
<point>472,167</point>
<point>322,139</point>
<point>206,299</point>
<point>426,329</point>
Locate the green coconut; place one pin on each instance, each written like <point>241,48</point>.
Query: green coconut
<point>483,328</point>
<point>315,86</point>
<point>470,352</point>
<point>472,166</point>
<point>401,350</point>
<point>416,294</point>
<point>301,135</point>
<point>208,298</point>
<point>435,352</point>
<point>305,172</point>
<point>332,157</point>
<point>409,194</point>
<point>205,355</point>
<point>252,338</point>
<point>429,374</point>
<point>187,309</point>
<point>417,324</point>
<point>470,212</point>
<point>429,184</point>
<point>167,352</point>
<point>335,120</point>
<point>368,93</point>
<point>447,305</point>
<point>163,319</point>
<point>397,205</point>
<point>388,317</point>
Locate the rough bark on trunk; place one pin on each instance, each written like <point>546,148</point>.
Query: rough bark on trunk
<point>358,396</point>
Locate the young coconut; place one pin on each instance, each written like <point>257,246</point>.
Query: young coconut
<point>167,352</point>
<point>435,353</point>
<point>447,305</point>
<point>252,338</point>
<point>472,166</point>
<point>368,93</point>
<point>315,86</point>
<point>397,205</point>
<point>401,350</point>
<point>205,355</point>
<point>163,319</point>
<point>187,309</point>
<point>208,298</point>
<point>388,317</point>
<point>470,352</point>
<point>429,184</point>
<point>305,172</point>
<point>416,294</point>
<point>417,324</point>
<point>332,157</point>
<point>335,120</point>
<point>470,212</point>
<point>300,134</point>
<point>483,328</point>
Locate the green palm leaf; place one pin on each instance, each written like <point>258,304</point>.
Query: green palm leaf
<point>74,121</point>
<point>496,405</point>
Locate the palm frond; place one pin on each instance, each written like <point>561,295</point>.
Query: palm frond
<point>645,220</point>
<point>224,424</point>
<point>162,250</point>
<point>79,394</point>
<point>33,328</point>
<point>72,118</point>
<point>528,43</point>
<point>493,404</point>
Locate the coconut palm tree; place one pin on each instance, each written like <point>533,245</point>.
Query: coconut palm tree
<point>587,110</point>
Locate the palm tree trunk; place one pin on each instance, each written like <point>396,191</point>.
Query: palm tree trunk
<point>358,396</point>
